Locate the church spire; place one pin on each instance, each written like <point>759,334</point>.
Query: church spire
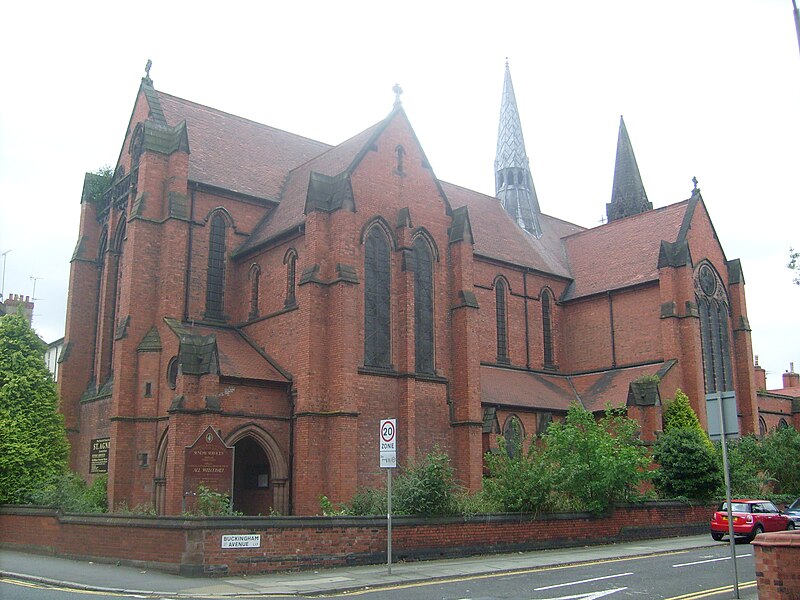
<point>627,195</point>
<point>513,181</point>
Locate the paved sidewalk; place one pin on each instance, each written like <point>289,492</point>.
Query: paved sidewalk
<point>110,578</point>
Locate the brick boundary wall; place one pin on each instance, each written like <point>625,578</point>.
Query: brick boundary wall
<point>777,558</point>
<point>192,545</point>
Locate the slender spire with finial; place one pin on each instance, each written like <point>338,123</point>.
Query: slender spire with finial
<point>627,195</point>
<point>397,92</point>
<point>513,181</point>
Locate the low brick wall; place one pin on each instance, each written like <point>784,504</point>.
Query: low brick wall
<point>193,546</point>
<point>778,565</point>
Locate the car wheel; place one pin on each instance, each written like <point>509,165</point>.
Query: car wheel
<point>756,530</point>
<point>716,536</point>
<point>790,526</point>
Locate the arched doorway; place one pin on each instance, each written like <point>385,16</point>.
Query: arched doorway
<point>252,480</point>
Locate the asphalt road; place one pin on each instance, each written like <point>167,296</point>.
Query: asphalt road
<point>683,575</point>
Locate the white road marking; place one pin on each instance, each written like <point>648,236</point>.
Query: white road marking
<point>700,562</point>
<point>558,585</point>
<point>591,595</point>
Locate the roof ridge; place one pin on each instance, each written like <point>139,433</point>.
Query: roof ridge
<point>629,218</point>
<point>245,119</point>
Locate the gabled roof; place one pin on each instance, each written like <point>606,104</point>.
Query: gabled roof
<point>497,236</point>
<point>237,356</point>
<point>519,389</point>
<point>237,154</point>
<point>621,253</point>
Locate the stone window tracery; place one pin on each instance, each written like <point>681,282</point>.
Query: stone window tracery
<point>713,306</point>
<point>423,306</point>
<point>377,300</point>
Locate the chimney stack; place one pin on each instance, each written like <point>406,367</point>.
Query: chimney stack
<point>790,378</point>
<point>761,376</point>
<point>16,303</point>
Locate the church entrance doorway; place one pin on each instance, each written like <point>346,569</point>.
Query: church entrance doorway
<point>252,478</point>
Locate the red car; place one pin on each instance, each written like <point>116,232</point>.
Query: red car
<point>750,517</point>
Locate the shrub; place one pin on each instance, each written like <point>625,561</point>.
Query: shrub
<point>210,503</point>
<point>367,502</point>
<point>518,481</point>
<point>425,487</point>
<point>70,493</point>
<point>688,465</point>
<point>594,464</point>
<point>679,414</point>
<point>780,456</point>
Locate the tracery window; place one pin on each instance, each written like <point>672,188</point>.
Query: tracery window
<point>423,306</point>
<point>712,304</point>
<point>500,317</point>
<point>290,260</point>
<point>547,327</point>
<point>215,285</point>
<point>377,300</point>
<point>255,281</point>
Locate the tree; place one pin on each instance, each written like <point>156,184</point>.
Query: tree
<point>794,264</point>
<point>679,413</point>
<point>688,465</point>
<point>594,463</point>
<point>33,444</point>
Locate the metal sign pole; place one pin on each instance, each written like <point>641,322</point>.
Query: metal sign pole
<point>728,496</point>
<point>389,521</point>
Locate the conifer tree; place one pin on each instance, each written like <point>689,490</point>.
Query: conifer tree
<point>33,444</point>
<point>679,414</point>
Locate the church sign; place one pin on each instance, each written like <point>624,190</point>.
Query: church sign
<point>98,456</point>
<point>209,462</point>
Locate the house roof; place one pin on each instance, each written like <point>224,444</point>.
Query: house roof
<point>515,388</point>
<point>238,357</point>
<point>496,235</point>
<point>234,153</point>
<point>631,245</point>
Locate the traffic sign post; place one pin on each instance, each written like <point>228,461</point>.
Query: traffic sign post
<point>388,460</point>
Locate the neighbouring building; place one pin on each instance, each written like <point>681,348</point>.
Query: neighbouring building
<point>243,287</point>
<point>778,408</point>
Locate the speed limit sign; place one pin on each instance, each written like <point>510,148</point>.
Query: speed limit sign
<point>388,443</point>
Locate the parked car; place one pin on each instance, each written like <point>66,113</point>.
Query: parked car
<point>750,517</point>
<point>793,511</point>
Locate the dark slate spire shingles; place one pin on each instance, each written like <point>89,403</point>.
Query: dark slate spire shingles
<point>627,195</point>
<point>513,181</point>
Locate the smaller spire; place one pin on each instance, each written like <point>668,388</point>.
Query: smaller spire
<point>397,92</point>
<point>627,194</point>
<point>146,77</point>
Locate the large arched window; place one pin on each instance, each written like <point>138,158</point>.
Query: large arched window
<point>712,304</point>
<point>255,281</point>
<point>547,327</point>
<point>501,319</point>
<point>215,286</point>
<point>290,260</point>
<point>377,300</point>
<point>423,306</point>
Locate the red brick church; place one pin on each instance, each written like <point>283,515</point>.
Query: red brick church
<point>257,290</point>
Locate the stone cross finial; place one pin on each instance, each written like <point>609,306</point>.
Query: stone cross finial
<point>147,71</point>
<point>694,181</point>
<point>397,91</point>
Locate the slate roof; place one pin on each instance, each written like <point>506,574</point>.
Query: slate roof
<point>496,235</point>
<point>237,154</point>
<point>238,357</point>
<point>631,245</point>
<point>514,388</point>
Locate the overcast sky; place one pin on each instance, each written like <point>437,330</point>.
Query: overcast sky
<point>708,89</point>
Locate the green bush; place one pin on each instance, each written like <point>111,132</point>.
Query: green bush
<point>210,503</point>
<point>368,502</point>
<point>688,465</point>
<point>425,487</point>
<point>70,493</point>
<point>518,481</point>
<point>595,463</point>
<point>748,479</point>
<point>679,414</point>
<point>33,444</point>
<point>780,456</point>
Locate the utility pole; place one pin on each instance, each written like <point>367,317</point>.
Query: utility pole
<point>3,284</point>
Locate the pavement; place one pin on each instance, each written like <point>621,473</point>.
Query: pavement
<point>100,577</point>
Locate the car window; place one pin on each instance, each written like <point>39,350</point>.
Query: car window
<point>758,508</point>
<point>795,505</point>
<point>770,507</point>
<point>735,507</point>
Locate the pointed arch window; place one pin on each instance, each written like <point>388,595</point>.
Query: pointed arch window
<point>501,319</point>
<point>215,283</point>
<point>255,282</point>
<point>712,304</point>
<point>423,306</point>
<point>514,434</point>
<point>547,328</point>
<point>290,260</point>
<point>377,300</point>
